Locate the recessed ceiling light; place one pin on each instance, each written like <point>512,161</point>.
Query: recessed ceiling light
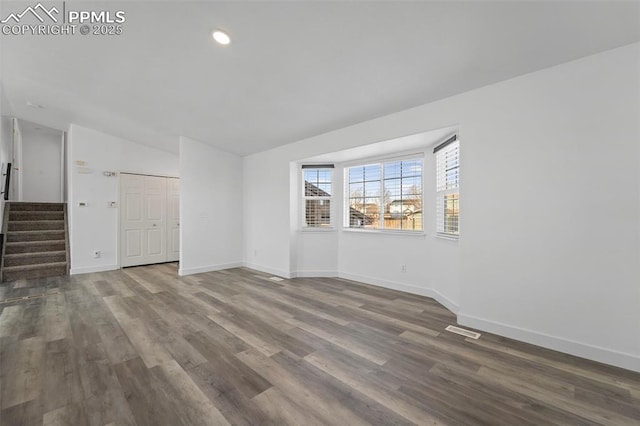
<point>221,37</point>
<point>34,105</point>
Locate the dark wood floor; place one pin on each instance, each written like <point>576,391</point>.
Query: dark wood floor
<point>143,347</point>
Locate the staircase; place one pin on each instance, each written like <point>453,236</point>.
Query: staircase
<point>36,241</point>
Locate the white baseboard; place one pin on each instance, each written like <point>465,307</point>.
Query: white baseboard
<point>595,353</point>
<point>314,274</point>
<point>408,288</point>
<point>90,269</point>
<point>208,268</point>
<point>268,270</point>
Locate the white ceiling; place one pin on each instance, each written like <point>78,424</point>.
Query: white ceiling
<point>294,69</point>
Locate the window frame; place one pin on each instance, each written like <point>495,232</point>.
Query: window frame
<point>304,197</point>
<point>381,161</point>
<point>440,194</point>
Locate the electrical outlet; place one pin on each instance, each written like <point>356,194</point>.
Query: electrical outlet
<point>403,268</point>
<point>96,254</point>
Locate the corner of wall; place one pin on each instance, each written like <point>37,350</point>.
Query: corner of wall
<point>208,268</point>
<point>420,291</point>
<point>269,270</point>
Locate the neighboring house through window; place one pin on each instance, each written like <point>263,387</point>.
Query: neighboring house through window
<point>385,195</point>
<point>318,190</point>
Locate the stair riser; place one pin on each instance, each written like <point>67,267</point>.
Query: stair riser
<point>36,207</point>
<point>17,216</point>
<point>38,273</point>
<point>34,260</point>
<point>36,226</point>
<point>34,248</point>
<point>14,238</point>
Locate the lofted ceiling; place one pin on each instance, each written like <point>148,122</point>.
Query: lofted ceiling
<point>293,69</point>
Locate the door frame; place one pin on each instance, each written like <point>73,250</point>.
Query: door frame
<point>63,168</point>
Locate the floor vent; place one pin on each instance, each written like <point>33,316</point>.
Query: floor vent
<point>463,332</point>
<point>276,279</point>
<point>30,297</point>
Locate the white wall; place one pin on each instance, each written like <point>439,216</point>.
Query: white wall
<point>95,227</point>
<point>550,212</point>
<point>16,161</point>
<point>41,165</point>
<point>316,254</point>
<point>550,254</point>
<point>210,208</point>
<point>6,140</point>
<point>266,213</point>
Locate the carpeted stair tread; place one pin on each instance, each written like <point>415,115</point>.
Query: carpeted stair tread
<point>33,267</point>
<point>25,259</point>
<point>37,221</point>
<point>34,246</point>
<point>26,215</point>
<point>39,235</point>
<point>14,255</point>
<point>36,225</point>
<point>20,206</point>
<point>53,269</point>
<point>35,243</point>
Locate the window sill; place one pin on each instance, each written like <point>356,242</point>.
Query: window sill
<point>412,234</point>
<point>317,230</point>
<point>448,237</point>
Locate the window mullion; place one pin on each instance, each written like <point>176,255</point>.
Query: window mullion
<point>401,173</point>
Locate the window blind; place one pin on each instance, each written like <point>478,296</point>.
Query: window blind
<point>385,195</point>
<point>448,187</point>
<point>318,191</point>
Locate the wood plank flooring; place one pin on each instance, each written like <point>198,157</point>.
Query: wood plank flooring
<point>142,346</point>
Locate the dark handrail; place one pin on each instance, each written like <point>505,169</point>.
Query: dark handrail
<point>7,181</point>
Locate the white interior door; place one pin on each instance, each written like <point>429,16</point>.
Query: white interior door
<point>173,219</point>
<point>143,219</point>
